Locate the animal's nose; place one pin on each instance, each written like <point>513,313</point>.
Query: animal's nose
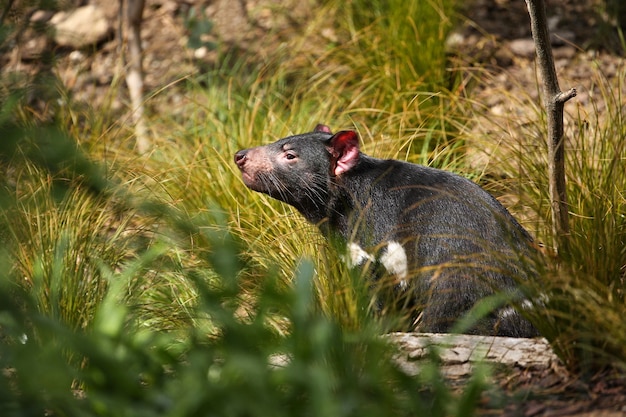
<point>240,158</point>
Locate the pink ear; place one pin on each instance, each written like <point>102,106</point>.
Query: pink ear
<point>344,147</point>
<point>322,128</point>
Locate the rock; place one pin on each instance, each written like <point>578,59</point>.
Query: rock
<point>81,27</point>
<point>455,41</point>
<point>33,48</point>
<point>41,16</point>
<point>524,47</point>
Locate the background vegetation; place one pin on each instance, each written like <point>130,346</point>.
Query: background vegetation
<point>160,285</point>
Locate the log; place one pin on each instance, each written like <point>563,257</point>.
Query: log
<point>460,353</point>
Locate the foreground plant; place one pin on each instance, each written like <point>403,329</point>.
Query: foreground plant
<point>122,368</point>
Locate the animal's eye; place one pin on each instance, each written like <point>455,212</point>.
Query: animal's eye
<point>290,155</point>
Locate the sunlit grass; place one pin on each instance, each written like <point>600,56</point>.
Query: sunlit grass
<point>59,234</point>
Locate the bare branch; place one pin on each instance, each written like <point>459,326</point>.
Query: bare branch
<point>565,96</point>
<point>134,73</point>
<point>554,101</point>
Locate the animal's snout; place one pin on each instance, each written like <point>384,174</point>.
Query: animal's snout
<point>240,158</point>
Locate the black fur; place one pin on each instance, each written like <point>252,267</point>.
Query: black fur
<point>461,244</point>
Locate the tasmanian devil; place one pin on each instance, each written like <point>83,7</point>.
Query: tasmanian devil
<point>444,241</point>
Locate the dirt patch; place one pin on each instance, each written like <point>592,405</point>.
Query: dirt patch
<point>588,57</point>
<point>180,39</point>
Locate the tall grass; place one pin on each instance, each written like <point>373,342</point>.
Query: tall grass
<point>593,272</point>
<point>583,289</point>
<point>359,83</point>
<point>392,74</point>
<point>59,237</point>
<point>123,362</point>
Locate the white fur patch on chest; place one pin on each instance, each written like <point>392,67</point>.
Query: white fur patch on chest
<point>395,262</point>
<point>393,259</point>
<point>357,255</point>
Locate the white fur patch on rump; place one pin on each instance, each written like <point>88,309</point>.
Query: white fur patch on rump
<point>395,262</point>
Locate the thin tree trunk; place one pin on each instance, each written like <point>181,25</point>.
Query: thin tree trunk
<point>134,73</point>
<point>554,100</point>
